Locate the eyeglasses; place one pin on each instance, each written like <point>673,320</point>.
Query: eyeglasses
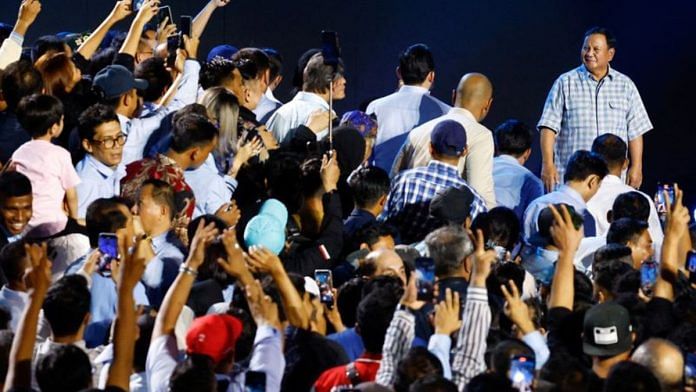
<point>112,142</point>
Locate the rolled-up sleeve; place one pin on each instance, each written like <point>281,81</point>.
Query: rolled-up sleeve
<point>11,50</point>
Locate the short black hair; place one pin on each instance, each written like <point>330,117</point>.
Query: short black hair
<point>215,72</point>
<point>486,382</point>
<point>500,225</point>
<point>368,184</point>
<point>631,205</point>
<point>374,315</point>
<point>545,219</point>
<point>195,373</point>
<point>433,384</point>
<point>415,63</point>
<point>606,274</point>
<point>298,75</point>
<point>611,39</point>
<point>503,351</point>
<point>38,113</point>
<point>14,184</point>
<point>154,70</point>
<point>92,118</point>
<point>310,178</point>
<point>371,232</point>
<point>256,56</point>
<point>566,371</point>
<point>513,137</point>
<point>19,80</point>
<point>583,164</point>
<point>192,131</point>
<point>631,376</point>
<point>501,274</point>
<point>47,43</point>
<point>275,62</point>
<point>282,171</point>
<point>66,305</point>
<point>612,148</point>
<point>6,337</point>
<point>613,251</point>
<point>104,216</point>
<point>162,194</point>
<point>348,299</point>
<point>65,368</point>
<point>12,260</point>
<point>418,363</point>
<point>625,229</point>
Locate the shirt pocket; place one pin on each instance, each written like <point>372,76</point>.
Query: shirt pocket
<point>579,113</point>
<point>618,111</point>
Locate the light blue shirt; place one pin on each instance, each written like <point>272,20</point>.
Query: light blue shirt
<point>161,271</point>
<point>295,113</point>
<point>515,186</point>
<point>397,114</point>
<point>267,106</point>
<point>98,181</point>
<point>564,195</point>
<point>211,189</point>
<point>14,302</point>
<point>139,130</point>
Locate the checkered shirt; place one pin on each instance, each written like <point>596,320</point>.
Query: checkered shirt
<point>580,108</point>
<point>408,203</point>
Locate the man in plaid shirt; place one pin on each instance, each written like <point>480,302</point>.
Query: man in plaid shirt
<point>587,102</point>
<point>408,203</point>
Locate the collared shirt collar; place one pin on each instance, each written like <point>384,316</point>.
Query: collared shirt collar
<point>104,170</point>
<point>11,237</point>
<point>509,159</point>
<point>359,212</point>
<point>414,89</point>
<point>269,95</point>
<point>159,241</point>
<point>572,193</point>
<point>439,165</point>
<point>586,74</point>
<point>464,112</point>
<point>311,97</point>
<point>13,295</point>
<point>612,179</point>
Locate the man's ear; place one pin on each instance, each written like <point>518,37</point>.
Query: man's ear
<point>612,52</point>
<point>87,146</point>
<point>365,246</point>
<point>382,200</point>
<point>430,77</point>
<point>398,73</point>
<point>625,164</point>
<point>527,154</point>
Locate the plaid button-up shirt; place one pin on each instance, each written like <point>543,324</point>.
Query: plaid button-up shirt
<point>408,203</point>
<point>580,108</point>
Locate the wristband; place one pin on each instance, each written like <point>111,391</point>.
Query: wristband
<point>187,270</point>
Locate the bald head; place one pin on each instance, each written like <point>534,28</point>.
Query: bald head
<point>387,262</point>
<point>475,93</point>
<point>664,359</point>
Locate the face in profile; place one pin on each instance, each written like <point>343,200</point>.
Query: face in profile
<point>339,87</point>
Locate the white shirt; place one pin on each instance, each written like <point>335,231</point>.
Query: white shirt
<point>15,302</point>
<point>476,167</point>
<point>11,50</point>
<point>267,106</point>
<point>564,195</point>
<point>295,113</point>
<point>601,203</point>
<point>585,254</point>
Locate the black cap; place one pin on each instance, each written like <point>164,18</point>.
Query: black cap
<point>452,205</point>
<point>606,330</point>
<point>116,80</point>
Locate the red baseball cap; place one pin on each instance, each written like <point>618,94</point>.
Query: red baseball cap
<point>213,335</point>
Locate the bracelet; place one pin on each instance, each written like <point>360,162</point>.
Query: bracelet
<point>187,270</point>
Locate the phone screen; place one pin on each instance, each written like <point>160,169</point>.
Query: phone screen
<point>691,266</point>
<point>164,12</point>
<point>137,5</point>
<point>648,275</point>
<point>522,372</point>
<point>108,247</point>
<point>184,29</point>
<point>660,202</point>
<point>255,381</point>
<point>690,370</point>
<point>324,280</point>
<point>425,275</point>
<point>330,49</point>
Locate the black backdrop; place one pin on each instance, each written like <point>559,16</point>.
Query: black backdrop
<point>521,45</point>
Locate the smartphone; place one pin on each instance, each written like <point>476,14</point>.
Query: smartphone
<point>522,372</point>
<point>330,49</point>
<point>184,29</point>
<point>324,280</point>
<point>108,247</point>
<point>690,370</point>
<point>425,275</point>
<point>137,5</point>
<point>648,276</point>
<point>691,266</point>
<point>660,202</point>
<point>164,12</point>
<point>254,381</point>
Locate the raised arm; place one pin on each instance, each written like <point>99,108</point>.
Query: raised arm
<point>121,10</point>
<point>567,239</point>
<point>675,229</point>
<point>201,20</point>
<point>38,280</point>
<point>11,49</point>
<point>147,11</point>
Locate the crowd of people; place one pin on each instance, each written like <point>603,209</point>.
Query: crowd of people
<point>167,224</point>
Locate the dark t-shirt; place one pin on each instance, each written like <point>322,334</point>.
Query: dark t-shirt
<point>307,356</point>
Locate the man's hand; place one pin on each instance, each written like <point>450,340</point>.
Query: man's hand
<point>330,172</point>
<point>269,141</point>
<point>132,264</point>
<point>121,10</point>
<point>165,30</point>
<point>482,261</point>
<point>203,237</point>
<point>319,120</point>
<point>220,3</point>
<point>677,222</point>
<point>229,213</point>
<point>410,295</point>
<point>333,315</point>
<point>262,308</point>
<point>245,151</point>
<point>147,11</point>
<point>191,46</point>
<point>90,265</point>
<point>447,314</point>
<point>263,260</point>
<point>28,11</point>
<point>516,309</point>
<point>233,264</point>
<point>38,276</point>
<point>565,236</point>
<point>549,176</point>
<point>635,176</point>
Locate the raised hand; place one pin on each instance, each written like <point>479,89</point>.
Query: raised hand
<point>229,213</point>
<point>516,309</point>
<point>220,3</point>
<point>332,313</point>
<point>201,240</point>
<point>263,260</point>
<point>677,215</point>
<point>565,236</point>
<point>132,265</point>
<point>148,11</point>
<point>121,10</point>
<point>330,172</point>
<point>191,46</point>
<point>319,120</point>
<point>410,295</point>
<point>165,30</point>
<point>483,259</point>
<point>262,308</point>
<point>233,264</point>
<point>28,11</point>
<point>245,151</point>
<point>447,314</point>
<point>38,276</point>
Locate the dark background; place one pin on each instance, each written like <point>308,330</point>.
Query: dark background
<point>521,45</point>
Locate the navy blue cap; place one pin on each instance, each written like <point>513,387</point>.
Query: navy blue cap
<point>224,51</point>
<point>116,80</point>
<point>448,138</point>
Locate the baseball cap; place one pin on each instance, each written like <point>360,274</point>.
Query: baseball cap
<point>452,205</point>
<point>116,80</point>
<point>213,335</point>
<point>276,209</point>
<point>265,230</point>
<point>448,138</point>
<point>223,51</point>
<point>606,330</point>
<point>311,286</point>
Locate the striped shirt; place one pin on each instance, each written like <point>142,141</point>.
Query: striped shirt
<point>468,360</point>
<point>397,342</point>
<point>580,108</point>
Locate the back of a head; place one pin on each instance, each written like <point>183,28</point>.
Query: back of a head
<point>612,148</point>
<point>631,205</point>
<point>503,351</point>
<point>47,44</point>
<point>513,137</point>
<point>371,233</point>
<point>192,131</point>
<point>629,376</point>
<point>92,118</point>
<point>566,372</point>
<point>14,184</point>
<point>66,368</point>
<point>154,70</point>
<point>418,363</point>
<point>374,315</point>
<point>433,384</point>
<point>546,220</point>
<point>162,195</point>
<point>20,79</point>
<point>415,63</point>
<point>38,113</point>
<point>310,178</point>
<point>13,261</point>
<point>66,305</point>
<point>318,76</point>
<point>625,229</point>
<point>664,359</point>
<point>275,62</point>
<point>282,172</point>
<point>448,247</point>
<point>486,382</point>
<point>195,373</point>
<point>606,274</point>
<point>216,72</point>
<point>104,216</point>
<point>613,251</point>
<point>583,164</point>
<point>58,73</point>
<point>500,225</point>
<point>256,56</point>
<point>368,185</point>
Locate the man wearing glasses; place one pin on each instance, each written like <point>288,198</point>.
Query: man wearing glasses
<point>101,169</point>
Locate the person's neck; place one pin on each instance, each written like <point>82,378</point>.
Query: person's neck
<point>159,229</point>
<point>474,109</point>
<point>616,171</point>
<point>68,339</point>
<point>181,159</point>
<point>520,159</point>
<point>45,138</point>
<point>579,187</point>
<point>600,74</point>
<point>602,366</point>
<point>122,111</point>
<point>17,286</point>
<point>426,85</point>
<point>453,161</point>
<point>324,96</point>
<point>374,210</point>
